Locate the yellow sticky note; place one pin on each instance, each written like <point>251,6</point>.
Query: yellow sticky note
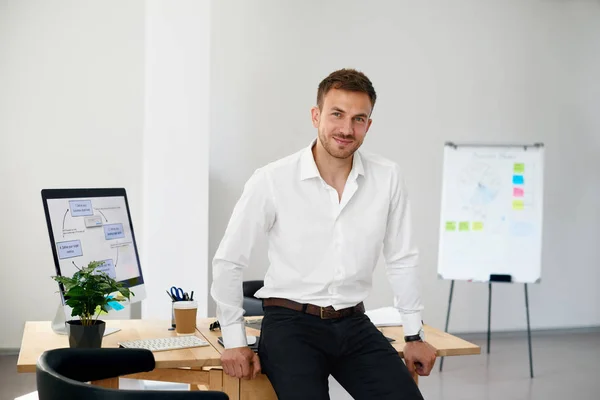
<point>477,226</point>
<point>518,204</point>
<point>450,226</point>
<point>519,168</point>
<point>463,226</point>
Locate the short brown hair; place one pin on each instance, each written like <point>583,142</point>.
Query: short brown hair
<point>346,79</point>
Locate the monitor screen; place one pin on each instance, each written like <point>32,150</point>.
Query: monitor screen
<point>92,225</point>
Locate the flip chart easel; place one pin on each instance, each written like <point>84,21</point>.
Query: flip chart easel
<point>491,219</point>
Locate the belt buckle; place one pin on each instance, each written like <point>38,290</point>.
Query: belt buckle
<point>324,314</point>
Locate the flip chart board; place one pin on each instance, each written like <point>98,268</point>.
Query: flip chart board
<point>491,213</point>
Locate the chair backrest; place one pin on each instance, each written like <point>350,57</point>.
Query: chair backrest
<point>249,288</point>
<point>252,305</point>
<point>63,373</point>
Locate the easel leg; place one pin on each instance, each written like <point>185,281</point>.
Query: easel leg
<point>528,332</point>
<point>489,316</point>
<point>447,318</point>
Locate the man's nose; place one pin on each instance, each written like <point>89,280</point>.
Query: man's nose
<point>347,127</point>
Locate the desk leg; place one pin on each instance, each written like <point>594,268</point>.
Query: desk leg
<point>231,386</point>
<point>259,388</point>
<point>215,380</point>
<point>110,383</point>
<point>415,376</point>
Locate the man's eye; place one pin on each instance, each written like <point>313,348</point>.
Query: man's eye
<point>336,114</point>
<point>360,119</point>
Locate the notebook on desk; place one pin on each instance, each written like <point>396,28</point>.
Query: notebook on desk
<point>385,316</point>
<point>254,323</point>
<point>252,343</point>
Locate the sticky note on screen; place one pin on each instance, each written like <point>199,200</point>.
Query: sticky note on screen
<point>518,180</point>
<point>115,305</point>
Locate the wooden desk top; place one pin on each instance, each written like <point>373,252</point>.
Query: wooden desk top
<point>444,343</point>
<point>39,337</point>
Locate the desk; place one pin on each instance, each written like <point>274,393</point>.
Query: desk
<point>260,388</point>
<point>200,367</point>
<point>190,366</point>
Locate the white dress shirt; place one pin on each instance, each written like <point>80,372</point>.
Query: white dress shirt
<point>321,250</point>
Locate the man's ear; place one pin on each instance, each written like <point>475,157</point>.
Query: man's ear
<point>369,125</point>
<point>315,114</point>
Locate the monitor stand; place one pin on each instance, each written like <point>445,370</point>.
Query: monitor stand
<point>59,323</point>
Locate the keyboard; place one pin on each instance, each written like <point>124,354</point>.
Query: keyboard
<point>166,343</point>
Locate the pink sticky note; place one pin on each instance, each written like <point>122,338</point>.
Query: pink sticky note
<point>517,192</point>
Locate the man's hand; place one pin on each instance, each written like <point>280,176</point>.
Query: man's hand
<point>419,357</point>
<point>241,363</point>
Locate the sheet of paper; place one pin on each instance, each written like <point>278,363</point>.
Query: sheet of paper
<point>385,316</point>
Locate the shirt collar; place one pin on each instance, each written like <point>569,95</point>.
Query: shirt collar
<point>308,167</point>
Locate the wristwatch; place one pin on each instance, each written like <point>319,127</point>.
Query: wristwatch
<point>419,337</point>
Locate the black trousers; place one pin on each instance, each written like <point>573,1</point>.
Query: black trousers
<point>299,351</point>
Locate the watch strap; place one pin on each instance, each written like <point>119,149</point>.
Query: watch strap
<point>413,338</point>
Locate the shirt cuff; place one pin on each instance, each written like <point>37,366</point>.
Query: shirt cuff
<point>411,323</point>
<point>234,335</point>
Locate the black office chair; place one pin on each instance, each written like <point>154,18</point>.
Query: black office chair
<point>252,305</point>
<point>62,373</point>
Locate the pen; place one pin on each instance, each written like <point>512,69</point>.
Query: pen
<point>169,294</point>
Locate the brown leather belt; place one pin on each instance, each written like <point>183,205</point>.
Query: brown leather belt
<point>323,312</point>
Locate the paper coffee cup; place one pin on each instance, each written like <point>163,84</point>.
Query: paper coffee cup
<point>185,317</point>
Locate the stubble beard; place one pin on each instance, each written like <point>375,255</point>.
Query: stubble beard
<point>330,145</point>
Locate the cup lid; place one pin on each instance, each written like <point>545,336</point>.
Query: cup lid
<point>185,305</point>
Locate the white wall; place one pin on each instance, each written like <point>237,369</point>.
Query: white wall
<point>92,97</point>
<point>71,115</point>
<point>176,141</point>
<point>468,71</point>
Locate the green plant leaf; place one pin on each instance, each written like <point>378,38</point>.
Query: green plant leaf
<point>87,291</point>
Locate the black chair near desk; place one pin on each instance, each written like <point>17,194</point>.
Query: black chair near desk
<point>62,373</point>
<point>252,305</point>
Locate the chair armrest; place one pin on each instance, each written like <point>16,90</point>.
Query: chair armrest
<point>99,363</point>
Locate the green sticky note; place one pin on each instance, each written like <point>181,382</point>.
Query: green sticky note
<point>519,168</point>
<point>463,226</point>
<point>518,204</point>
<point>478,226</point>
<point>450,226</point>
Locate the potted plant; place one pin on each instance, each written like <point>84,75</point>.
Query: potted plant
<point>89,293</point>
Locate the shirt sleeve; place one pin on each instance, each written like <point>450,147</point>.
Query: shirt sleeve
<point>401,258</point>
<point>252,215</point>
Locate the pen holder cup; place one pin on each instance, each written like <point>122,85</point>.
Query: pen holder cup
<point>185,313</point>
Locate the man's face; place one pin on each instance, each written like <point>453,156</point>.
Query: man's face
<point>342,122</point>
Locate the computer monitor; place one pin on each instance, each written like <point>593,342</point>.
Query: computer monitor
<point>87,225</point>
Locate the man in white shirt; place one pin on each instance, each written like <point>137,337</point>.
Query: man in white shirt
<point>328,211</point>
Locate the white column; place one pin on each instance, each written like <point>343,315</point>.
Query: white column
<point>176,147</point>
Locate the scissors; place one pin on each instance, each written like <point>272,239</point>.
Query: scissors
<point>178,294</point>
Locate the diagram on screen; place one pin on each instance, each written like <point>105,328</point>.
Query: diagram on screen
<point>94,229</point>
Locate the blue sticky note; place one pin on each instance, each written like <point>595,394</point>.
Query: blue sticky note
<point>116,305</point>
<point>518,179</point>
